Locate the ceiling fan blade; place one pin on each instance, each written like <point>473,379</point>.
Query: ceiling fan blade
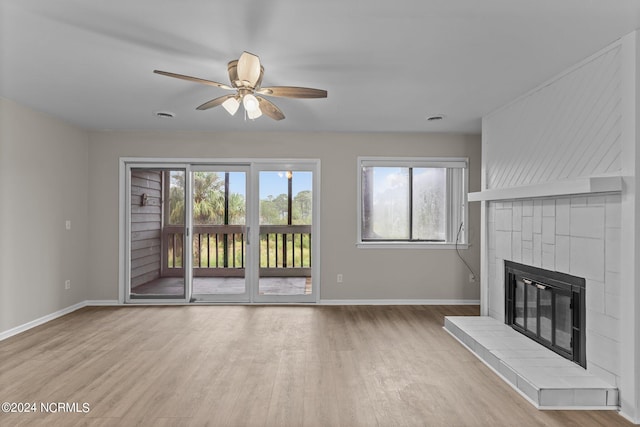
<point>214,102</point>
<point>270,109</point>
<point>193,79</point>
<point>249,69</point>
<point>292,92</point>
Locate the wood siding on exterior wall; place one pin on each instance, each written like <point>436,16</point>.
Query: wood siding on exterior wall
<point>146,225</point>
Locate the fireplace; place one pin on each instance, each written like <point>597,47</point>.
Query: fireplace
<point>548,307</point>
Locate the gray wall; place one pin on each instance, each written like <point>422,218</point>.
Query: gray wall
<point>51,172</point>
<point>43,182</point>
<point>368,273</point>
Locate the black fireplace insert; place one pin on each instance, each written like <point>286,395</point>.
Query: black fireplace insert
<point>548,307</point>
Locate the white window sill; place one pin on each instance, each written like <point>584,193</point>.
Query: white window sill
<point>409,245</point>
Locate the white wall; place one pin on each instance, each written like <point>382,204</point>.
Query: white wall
<point>582,123</point>
<point>368,273</point>
<point>43,182</point>
<point>566,128</point>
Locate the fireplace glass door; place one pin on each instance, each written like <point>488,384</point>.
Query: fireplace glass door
<point>543,312</point>
<point>563,321</point>
<point>548,307</point>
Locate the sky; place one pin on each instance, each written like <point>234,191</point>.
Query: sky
<point>272,183</point>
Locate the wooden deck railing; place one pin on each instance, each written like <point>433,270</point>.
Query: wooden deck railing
<point>219,250</point>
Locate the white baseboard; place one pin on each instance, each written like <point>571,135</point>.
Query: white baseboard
<point>399,302</point>
<point>101,302</point>
<point>37,322</point>
<point>49,317</point>
<point>629,418</point>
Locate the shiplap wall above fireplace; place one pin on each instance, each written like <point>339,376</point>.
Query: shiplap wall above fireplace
<point>569,128</point>
<point>559,173</point>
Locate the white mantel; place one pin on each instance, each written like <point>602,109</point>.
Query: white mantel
<point>577,186</point>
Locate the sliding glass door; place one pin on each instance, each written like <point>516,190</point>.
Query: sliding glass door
<point>286,236</point>
<point>221,232</point>
<point>156,230</point>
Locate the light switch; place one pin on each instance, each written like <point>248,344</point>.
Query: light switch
<point>68,225</point>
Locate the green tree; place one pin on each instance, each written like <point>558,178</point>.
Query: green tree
<point>208,198</point>
<point>302,207</point>
<point>268,211</point>
<point>237,213</point>
<point>281,204</point>
<point>176,198</point>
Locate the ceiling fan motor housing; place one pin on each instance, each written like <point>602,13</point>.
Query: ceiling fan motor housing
<point>232,68</point>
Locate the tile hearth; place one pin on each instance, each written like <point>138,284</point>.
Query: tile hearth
<point>546,379</point>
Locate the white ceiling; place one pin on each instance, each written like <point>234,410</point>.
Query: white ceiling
<point>387,65</point>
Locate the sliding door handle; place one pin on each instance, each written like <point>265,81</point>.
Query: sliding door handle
<point>247,230</point>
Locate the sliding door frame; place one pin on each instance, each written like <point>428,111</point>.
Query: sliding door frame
<point>252,277</point>
<point>248,252</point>
<point>125,287</point>
<point>270,165</point>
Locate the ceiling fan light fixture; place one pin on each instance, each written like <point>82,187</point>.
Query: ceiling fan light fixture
<point>245,75</point>
<point>231,105</point>
<point>254,114</point>
<point>250,103</point>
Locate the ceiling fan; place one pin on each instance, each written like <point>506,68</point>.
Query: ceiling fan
<point>245,75</point>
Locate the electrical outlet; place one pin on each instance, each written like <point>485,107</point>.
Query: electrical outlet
<point>67,224</point>
<point>339,278</point>
<point>67,284</point>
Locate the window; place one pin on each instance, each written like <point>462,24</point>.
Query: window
<point>412,201</point>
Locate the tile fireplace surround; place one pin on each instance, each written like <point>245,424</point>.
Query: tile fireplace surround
<point>577,235</point>
<point>560,191</point>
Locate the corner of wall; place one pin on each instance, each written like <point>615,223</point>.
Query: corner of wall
<point>630,232</point>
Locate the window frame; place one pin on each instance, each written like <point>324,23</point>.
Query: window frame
<point>457,204</point>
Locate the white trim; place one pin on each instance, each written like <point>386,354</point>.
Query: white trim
<point>122,230</point>
<point>399,302</point>
<point>415,162</point>
<point>629,246</point>
<point>586,185</point>
<point>628,418</point>
<point>302,165</point>
<point>409,245</point>
<point>102,303</point>
<point>49,317</point>
<point>124,289</point>
<point>254,164</point>
<point>456,197</point>
<point>42,320</point>
<point>484,260</point>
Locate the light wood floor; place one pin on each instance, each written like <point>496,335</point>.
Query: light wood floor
<point>263,366</point>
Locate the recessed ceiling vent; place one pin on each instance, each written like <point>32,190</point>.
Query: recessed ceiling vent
<point>164,114</point>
